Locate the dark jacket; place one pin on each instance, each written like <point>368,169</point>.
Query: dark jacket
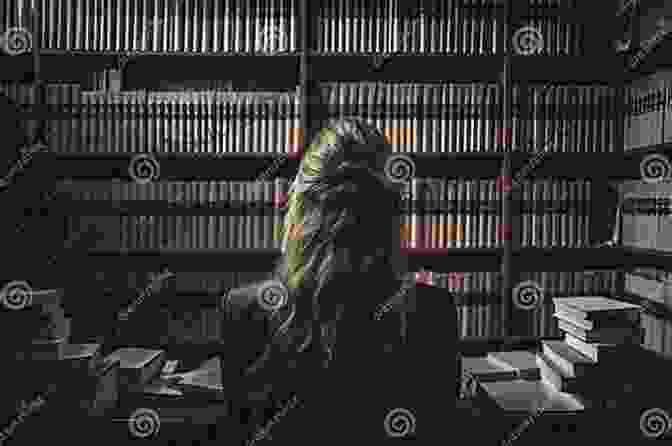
<point>403,361</point>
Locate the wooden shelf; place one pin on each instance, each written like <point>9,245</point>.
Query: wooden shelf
<point>76,66</point>
<point>659,57</point>
<point>440,260</point>
<point>651,258</point>
<point>465,69</point>
<point>240,167</point>
<point>483,346</point>
<point>66,206</point>
<point>566,259</point>
<point>73,66</point>
<point>486,259</point>
<point>656,308</point>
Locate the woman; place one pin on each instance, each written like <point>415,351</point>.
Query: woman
<point>335,337</point>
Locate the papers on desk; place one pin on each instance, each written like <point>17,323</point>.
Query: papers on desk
<point>207,376</point>
<point>162,388</point>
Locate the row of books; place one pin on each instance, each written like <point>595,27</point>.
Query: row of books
<point>466,117</point>
<point>455,213</point>
<point>648,229</point>
<point>480,309</point>
<point>423,118</point>
<point>648,119</point>
<point>599,334</point>
<point>162,26</point>
<point>437,213</point>
<point>198,325</point>
<point>653,285</point>
<point>110,79</point>
<point>473,27</point>
<point>469,27</point>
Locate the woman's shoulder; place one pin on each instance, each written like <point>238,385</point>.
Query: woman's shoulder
<point>265,300</point>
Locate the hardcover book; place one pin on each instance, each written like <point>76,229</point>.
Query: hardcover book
<point>585,324</point>
<point>523,362</point>
<point>597,351</point>
<point>609,335</point>
<point>596,308</point>
<point>138,365</point>
<point>569,361</point>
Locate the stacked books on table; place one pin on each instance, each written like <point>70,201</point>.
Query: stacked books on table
<point>508,386</point>
<point>601,335</point>
<point>137,366</point>
<point>502,366</point>
<point>38,327</point>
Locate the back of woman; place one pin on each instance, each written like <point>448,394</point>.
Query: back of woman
<point>343,341</point>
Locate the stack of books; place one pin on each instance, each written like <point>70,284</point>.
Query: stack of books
<point>600,335</point>
<point>40,328</point>
<point>137,366</point>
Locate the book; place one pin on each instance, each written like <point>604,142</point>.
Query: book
<point>597,308</point>
<point>161,388</point>
<point>524,397</point>
<point>486,369</point>
<point>569,361</point>
<point>552,375</point>
<point>105,375</point>
<point>610,335</point>
<point>138,365</point>
<point>522,362</point>
<point>51,350</point>
<point>208,376</point>
<point>601,351</point>
<point>589,325</point>
<point>83,356</point>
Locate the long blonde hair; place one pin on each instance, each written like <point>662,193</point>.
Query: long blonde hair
<point>341,211</point>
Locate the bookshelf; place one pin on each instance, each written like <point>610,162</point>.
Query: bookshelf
<point>75,66</point>
<point>305,68</point>
<point>645,24</point>
<point>248,166</point>
<point>440,260</point>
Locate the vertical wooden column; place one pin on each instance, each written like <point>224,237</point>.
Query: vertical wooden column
<point>619,141</point>
<point>506,172</point>
<point>36,31</point>
<point>305,18</point>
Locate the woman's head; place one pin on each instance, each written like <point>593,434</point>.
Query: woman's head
<point>343,213</point>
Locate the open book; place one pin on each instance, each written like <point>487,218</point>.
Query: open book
<point>208,375</point>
